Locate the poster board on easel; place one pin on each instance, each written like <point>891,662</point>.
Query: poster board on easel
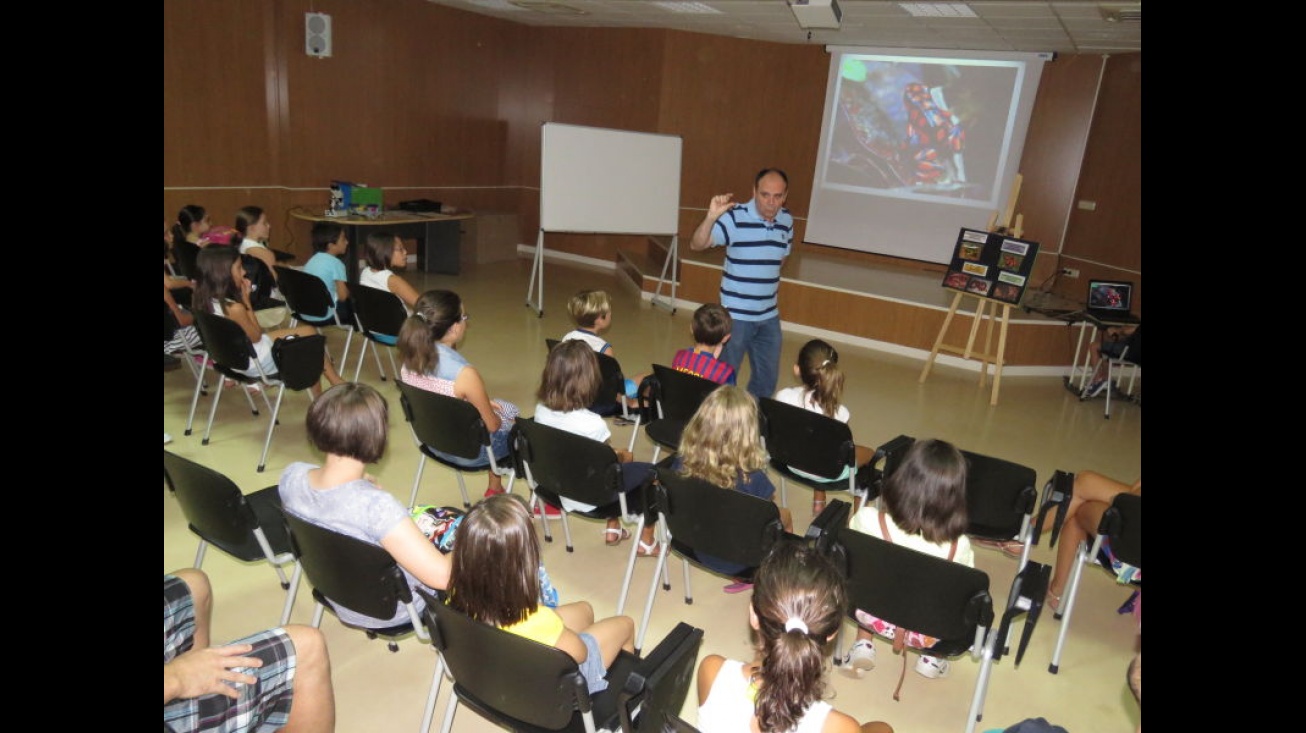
<point>994,268</point>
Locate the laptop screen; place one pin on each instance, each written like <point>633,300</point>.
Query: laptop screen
<point>1110,295</point>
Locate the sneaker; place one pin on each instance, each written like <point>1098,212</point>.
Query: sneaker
<point>932,667</point>
<point>738,586</point>
<point>862,655</point>
<point>1095,388</point>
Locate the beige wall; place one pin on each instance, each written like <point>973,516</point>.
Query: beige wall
<point>430,102</point>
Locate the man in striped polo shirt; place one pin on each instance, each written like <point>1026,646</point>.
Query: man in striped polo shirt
<point>757,236</point>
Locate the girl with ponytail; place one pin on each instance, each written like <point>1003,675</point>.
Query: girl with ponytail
<point>799,600</point>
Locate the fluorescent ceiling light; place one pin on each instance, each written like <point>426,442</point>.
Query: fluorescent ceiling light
<point>938,10</point>
<point>688,7</point>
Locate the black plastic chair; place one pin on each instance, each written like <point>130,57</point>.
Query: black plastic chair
<point>557,464</point>
<point>187,256</point>
<point>1130,357</point>
<point>1001,495</point>
<point>249,528</point>
<point>309,301</point>
<point>299,361</point>
<point>380,315</point>
<point>1122,525</point>
<point>515,682</point>
<point>797,438</point>
<point>452,426</point>
<point>667,400</point>
<point>346,572</point>
<point>916,591</point>
<point>187,354</point>
<point>696,517</point>
<point>611,401</point>
<point>657,689</point>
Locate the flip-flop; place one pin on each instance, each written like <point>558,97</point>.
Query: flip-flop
<point>622,534</point>
<point>647,550</point>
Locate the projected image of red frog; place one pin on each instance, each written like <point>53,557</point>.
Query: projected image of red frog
<point>896,129</point>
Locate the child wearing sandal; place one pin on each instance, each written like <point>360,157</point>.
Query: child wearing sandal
<point>721,444</point>
<point>1090,497</point>
<point>495,580</point>
<point>797,606</point>
<point>569,384</point>
<point>924,509</point>
<point>822,386</point>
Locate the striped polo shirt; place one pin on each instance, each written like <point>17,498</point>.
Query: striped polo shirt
<point>755,250</point>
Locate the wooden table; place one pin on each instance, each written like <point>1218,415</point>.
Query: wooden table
<point>439,236</point>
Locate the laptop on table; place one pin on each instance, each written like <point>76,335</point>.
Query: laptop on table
<point>1111,301</point>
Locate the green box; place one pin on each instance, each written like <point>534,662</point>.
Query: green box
<point>361,198</point>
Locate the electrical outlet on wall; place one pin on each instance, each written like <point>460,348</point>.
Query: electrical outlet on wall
<point>1069,272</point>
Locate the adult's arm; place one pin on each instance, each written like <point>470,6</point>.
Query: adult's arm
<point>207,671</point>
<point>719,205</point>
<point>469,386</point>
<point>415,553</point>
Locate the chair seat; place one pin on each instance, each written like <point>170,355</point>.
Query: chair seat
<point>604,710</point>
<point>396,630</point>
<point>606,511</point>
<point>666,431</point>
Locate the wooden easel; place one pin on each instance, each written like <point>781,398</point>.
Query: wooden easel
<point>986,310</point>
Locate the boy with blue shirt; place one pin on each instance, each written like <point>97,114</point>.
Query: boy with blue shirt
<point>329,243</point>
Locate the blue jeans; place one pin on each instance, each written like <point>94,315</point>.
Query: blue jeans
<point>760,340</point>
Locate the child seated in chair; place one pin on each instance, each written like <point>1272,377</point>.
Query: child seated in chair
<point>591,311</point>
<point>568,385</point>
<point>924,509</point>
<point>495,580</point>
<point>822,387</point>
<point>722,445</point>
<point>711,331</point>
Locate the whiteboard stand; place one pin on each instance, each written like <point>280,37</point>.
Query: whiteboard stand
<point>672,262</point>
<point>537,274</point>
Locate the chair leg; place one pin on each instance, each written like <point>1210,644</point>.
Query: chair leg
<point>272,424</point>
<point>195,398</point>
<point>1082,558</point>
<point>376,354</point>
<point>448,713</point>
<point>630,567</point>
<point>417,481</point>
<point>291,592</point>
<point>213,410</point>
<point>566,530</point>
<point>428,713</point>
<point>462,487</point>
<point>358,370</point>
<point>199,553</point>
<point>652,595</point>
<point>981,685</point>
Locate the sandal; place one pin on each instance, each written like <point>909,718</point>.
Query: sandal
<point>818,506</point>
<point>647,550</point>
<point>1053,601</point>
<point>621,533</point>
<point>1010,548</point>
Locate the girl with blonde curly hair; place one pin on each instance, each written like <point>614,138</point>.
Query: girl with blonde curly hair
<point>722,445</point>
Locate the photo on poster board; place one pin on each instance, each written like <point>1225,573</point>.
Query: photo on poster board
<point>991,265</point>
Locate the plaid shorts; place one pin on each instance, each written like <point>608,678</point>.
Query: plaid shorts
<point>262,706</point>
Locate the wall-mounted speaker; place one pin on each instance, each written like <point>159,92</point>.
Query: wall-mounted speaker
<point>317,34</point>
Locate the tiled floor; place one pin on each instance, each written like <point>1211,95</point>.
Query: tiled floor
<point>1037,423</point>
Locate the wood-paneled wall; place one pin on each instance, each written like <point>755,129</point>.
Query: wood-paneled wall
<point>431,102</point>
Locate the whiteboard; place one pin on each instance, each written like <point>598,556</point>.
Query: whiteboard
<point>609,181</point>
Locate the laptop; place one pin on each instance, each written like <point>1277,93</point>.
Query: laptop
<point>1110,301</point>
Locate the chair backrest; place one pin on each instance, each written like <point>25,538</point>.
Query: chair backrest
<point>660,683</point>
<point>217,510</point>
<point>447,424</point>
<point>1000,494</point>
<point>300,360</point>
<point>505,676</point>
<point>1123,524</point>
<point>187,254</point>
<point>725,523</point>
<point>566,464</point>
<point>679,393</point>
<point>612,384</point>
<point>306,295</point>
<point>806,440</point>
<point>913,590</point>
<point>379,312</point>
<point>226,342</point>
<point>350,572</point>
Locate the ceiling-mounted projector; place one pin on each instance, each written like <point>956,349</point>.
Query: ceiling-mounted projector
<point>817,13</point>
